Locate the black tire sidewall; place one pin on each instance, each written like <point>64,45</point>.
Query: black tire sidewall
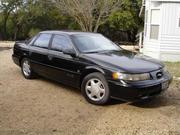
<point>101,77</point>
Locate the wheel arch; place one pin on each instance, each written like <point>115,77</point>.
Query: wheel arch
<point>24,55</point>
<point>89,70</point>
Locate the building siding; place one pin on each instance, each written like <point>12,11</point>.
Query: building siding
<point>150,47</point>
<point>167,47</point>
<point>170,32</point>
<point>170,15</point>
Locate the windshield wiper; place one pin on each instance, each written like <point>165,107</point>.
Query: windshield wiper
<point>99,51</point>
<point>95,51</point>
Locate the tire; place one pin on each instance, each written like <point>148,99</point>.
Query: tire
<point>95,89</point>
<point>26,69</point>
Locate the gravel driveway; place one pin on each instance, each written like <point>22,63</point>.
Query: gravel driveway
<point>44,107</point>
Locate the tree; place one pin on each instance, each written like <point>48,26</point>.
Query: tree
<point>89,14</point>
<point>117,19</point>
<point>127,18</point>
<point>18,17</point>
<point>26,17</point>
<point>6,7</point>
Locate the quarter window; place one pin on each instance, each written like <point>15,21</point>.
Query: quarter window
<point>60,43</point>
<point>155,21</point>
<point>43,40</point>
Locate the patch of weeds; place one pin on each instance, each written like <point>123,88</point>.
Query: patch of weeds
<point>173,68</point>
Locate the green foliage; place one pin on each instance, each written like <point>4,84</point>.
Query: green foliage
<point>21,19</point>
<point>127,17</point>
<point>33,32</point>
<point>123,20</point>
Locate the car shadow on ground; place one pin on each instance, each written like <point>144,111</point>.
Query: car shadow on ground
<point>157,102</point>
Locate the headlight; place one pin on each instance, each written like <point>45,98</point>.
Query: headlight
<point>131,77</point>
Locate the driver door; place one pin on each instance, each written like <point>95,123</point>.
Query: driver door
<point>63,67</point>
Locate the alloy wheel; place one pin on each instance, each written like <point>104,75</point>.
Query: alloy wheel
<point>26,68</point>
<point>95,89</point>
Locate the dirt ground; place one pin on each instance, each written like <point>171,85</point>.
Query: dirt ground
<point>43,107</point>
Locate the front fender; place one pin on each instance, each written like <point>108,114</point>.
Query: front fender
<point>95,68</point>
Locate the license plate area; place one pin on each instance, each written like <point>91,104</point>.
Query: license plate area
<point>165,85</point>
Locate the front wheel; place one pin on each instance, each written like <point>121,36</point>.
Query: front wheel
<point>95,89</point>
<point>26,69</point>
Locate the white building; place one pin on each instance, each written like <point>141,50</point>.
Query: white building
<point>162,29</point>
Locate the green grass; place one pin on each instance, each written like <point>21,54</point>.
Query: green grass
<point>173,68</point>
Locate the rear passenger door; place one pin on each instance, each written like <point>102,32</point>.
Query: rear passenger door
<point>63,65</point>
<point>38,53</point>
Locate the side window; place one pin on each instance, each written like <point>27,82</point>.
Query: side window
<point>43,40</point>
<point>60,43</point>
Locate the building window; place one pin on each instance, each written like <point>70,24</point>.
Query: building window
<point>155,21</point>
<point>154,31</point>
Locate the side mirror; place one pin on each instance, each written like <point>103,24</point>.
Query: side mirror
<point>69,52</point>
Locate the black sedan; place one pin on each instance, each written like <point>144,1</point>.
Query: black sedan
<point>93,63</point>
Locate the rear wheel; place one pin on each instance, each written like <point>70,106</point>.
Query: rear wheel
<point>26,69</point>
<point>95,89</point>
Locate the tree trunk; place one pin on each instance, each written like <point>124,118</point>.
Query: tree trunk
<point>6,16</point>
<point>4,28</point>
<point>15,34</point>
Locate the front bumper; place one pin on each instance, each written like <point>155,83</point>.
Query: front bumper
<point>131,91</point>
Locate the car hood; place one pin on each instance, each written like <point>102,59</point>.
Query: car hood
<point>125,61</point>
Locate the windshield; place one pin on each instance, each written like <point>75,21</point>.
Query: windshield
<point>93,43</point>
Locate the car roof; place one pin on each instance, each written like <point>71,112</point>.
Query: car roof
<point>67,32</point>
